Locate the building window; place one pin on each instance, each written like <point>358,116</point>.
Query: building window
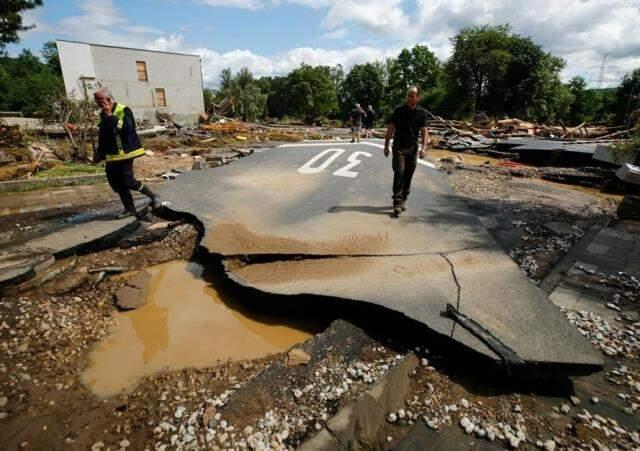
<point>161,100</point>
<point>141,68</point>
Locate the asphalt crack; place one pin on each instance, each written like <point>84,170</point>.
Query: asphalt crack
<point>457,282</point>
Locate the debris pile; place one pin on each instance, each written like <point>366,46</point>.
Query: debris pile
<point>10,135</point>
<point>303,410</point>
<point>614,341</point>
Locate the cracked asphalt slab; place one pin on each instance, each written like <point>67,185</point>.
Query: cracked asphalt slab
<point>315,219</point>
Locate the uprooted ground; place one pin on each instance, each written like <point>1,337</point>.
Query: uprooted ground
<point>47,332</point>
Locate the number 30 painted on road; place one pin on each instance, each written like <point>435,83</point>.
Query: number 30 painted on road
<point>308,167</point>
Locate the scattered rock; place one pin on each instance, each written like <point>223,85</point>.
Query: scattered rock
<point>296,357</point>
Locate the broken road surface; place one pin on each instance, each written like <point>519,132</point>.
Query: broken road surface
<point>314,219</point>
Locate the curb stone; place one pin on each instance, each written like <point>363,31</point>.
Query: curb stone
<point>362,419</point>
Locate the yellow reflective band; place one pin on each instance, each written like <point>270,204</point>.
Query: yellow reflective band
<point>125,156</point>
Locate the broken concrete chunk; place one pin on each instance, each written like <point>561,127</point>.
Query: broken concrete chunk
<point>134,294</point>
<point>560,228</point>
<point>297,357</point>
<point>68,283</point>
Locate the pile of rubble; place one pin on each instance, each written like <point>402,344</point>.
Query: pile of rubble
<point>513,127</point>
<point>10,135</point>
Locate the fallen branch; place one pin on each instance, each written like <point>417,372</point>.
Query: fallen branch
<point>570,132</point>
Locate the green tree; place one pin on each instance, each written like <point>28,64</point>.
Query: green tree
<point>277,96</point>
<point>208,96</point>
<point>52,59</point>
<point>25,82</point>
<point>551,99</point>
<point>337,78</point>
<point>585,104</point>
<point>418,66</point>
<point>311,92</point>
<point>627,105</point>
<point>480,59</point>
<point>504,73</point>
<point>243,92</point>
<point>11,19</point>
<point>364,85</point>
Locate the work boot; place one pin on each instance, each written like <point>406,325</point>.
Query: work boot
<point>127,202</point>
<point>403,205</point>
<point>124,214</point>
<point>156,203</point>
<point>397,210</point>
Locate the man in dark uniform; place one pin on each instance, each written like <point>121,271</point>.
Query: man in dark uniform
<point>118,144</point>
<point>406,124</point>
<point>368,123</point>
<point>355,118</point>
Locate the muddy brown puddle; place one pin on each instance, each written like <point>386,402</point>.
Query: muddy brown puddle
<point>186,322</point>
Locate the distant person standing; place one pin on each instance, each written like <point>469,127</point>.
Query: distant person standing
<point>407,123</point>
<point>356,117</point>
<point>118,144</point>
<point>368,122</point>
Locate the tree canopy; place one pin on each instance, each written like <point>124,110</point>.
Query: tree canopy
<point>11,19</point>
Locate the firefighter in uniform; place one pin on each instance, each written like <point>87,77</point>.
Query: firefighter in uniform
<point>119,145</point>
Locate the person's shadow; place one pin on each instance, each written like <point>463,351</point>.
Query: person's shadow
<point>386,211</point>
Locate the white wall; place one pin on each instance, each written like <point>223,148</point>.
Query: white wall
<point>77,62</point>
<point>179,75</point>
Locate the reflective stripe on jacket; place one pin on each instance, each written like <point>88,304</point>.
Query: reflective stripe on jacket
<point>117,137</point>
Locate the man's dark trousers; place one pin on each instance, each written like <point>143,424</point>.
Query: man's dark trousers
<point>404,165</point>
<point>122,181</point>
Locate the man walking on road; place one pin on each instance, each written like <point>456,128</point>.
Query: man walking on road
<point>118,144</point>
<point>355,118</point>
<point>406,124</point>
<point>368,123</point>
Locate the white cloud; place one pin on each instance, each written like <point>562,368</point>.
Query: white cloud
<point>243,4</point>
<point>581,31</point>
<point>338,33</point>
<point>32,18</point>
<point>281,64</point>
<point>173,43</point>
<point>102,23</point>
<point>380,16</point>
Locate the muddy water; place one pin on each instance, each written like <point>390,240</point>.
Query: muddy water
<point>470,159</point>
<point>186,322</point>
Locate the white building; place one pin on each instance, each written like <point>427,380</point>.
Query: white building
<point>145,80</point>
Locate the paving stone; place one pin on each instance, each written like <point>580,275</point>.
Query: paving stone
<point>575,268</point>
<point>322,441</point>
<point>560,228</point>
<point>389,392</point>
<point>598,249</point>
<point>633,268</point>
<point>619,252</point>
<point>420,437</point>
<point>623,244</point>
<point>359,421</point>
<point>564,296</point>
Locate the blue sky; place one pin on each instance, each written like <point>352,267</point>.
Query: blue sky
<point>272,37</point>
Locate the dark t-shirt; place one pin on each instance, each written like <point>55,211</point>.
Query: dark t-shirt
<point>356,116</point>
<point>408,123</point>
<point>371,116</point>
